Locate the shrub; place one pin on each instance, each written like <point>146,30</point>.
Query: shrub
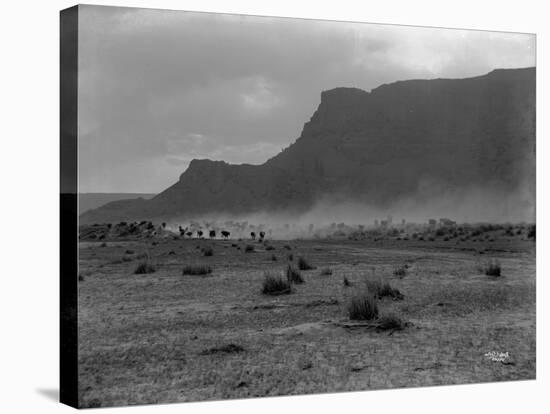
<point>129,251</point>
<point>363,306</point>
<point>346,282</point>
<point>291,257</point>
<point>382,289</point>
<point>249,249</point>
<point>532,234</point>
<point>303,264</point>
<point>208,251</point>
<point>226,349</point>
<point>390,321</point>
<point>492,268</point>
<point>401,271</point>
<point>270,248</point>
<point>273,258</point>
<point>103,244</point>
<point>144,267</point>
<point>286,246</point>
<point>275,284</point>
<point>293,275</point>
<point>80,277</point>
<point>440,232</point>
<point>327,271</point>
<point>196,270</point>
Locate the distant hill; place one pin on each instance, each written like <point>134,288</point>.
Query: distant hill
<point>375,147</point>
<point>89,201</point>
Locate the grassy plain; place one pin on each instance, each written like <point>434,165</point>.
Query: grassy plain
<point>168,337</point>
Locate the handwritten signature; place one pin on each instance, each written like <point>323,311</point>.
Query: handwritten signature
<point>498,356</point>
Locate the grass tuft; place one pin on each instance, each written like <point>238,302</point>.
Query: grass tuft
<point>390,322</point>
<point>293,275</point>
<point>362,307</point>
<point>225,349</point>
<point>492,268</point>
<point>303,264</point>
<point>383,289</point>
<point>400,271</point>
<point>144,267</point>
<point>274,284</point>
<point>207,251</point>
<point>196,270</point>
<point>327,271</point>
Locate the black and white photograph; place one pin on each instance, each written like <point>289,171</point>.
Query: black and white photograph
<point>275,206</point>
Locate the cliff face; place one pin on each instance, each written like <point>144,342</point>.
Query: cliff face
<point>375,147</point>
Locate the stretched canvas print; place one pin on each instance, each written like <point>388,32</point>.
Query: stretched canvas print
<point>261,206</point>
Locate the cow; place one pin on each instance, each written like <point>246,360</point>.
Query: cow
<point>253,235</point>
<point>262,235</point>
<point>212,234</point>
<point>189,233</point>
<point>225,234</point>
<point>199,233</point>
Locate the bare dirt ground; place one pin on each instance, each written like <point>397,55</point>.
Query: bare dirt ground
<point>165,337</point>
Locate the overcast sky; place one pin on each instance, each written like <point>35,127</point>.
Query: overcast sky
<point>159,88</point>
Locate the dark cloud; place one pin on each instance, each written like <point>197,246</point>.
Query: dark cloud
<point>159,88</point>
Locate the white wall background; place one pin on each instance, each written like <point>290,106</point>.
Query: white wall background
<point>29,204</point>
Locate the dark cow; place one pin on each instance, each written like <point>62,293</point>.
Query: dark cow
<point>253,235</point>
<point>212,234</point>
<point>199,233</point>
<point>189,233</point>
<point>225,234</point>
<point>262,235</point>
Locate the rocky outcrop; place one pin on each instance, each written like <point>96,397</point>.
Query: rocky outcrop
<point>373,146</point>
